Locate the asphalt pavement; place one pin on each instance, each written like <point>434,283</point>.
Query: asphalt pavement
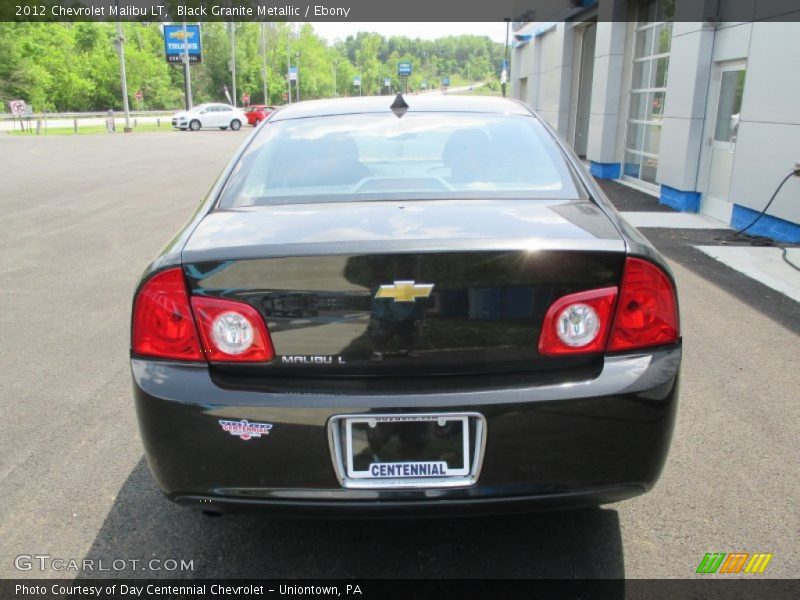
<point>81,218</point>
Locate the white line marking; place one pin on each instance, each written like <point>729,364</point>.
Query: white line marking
<point>672,220</point>
<point>765,265</point>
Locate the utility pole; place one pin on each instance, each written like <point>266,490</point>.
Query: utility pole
<point>335,62</point>
<point>122,76</point>
<point>233,60</point>
<point>506,64</point>
<point>288,72</point>
<point>187,81</point>
<point>264,60</point>
<point>297,80</point>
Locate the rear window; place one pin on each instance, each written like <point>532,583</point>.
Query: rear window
<point>380,157</point>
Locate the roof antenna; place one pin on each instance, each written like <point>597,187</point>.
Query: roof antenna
<point>399,106</point>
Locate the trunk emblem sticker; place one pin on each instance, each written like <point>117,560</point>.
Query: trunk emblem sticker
<point>405,291</point>
<point>245,429</point>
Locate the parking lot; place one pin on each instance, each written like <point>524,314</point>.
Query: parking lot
<point>82,217</point>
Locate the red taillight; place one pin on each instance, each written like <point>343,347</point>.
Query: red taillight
<point>647,311</point>
<point>646,315</point>
<point>162,319</point>
<point>232,331</point>
<point>578,323</point>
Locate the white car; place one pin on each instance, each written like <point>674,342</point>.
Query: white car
<point>210,115</point>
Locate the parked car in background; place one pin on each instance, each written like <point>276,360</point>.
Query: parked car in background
<point>210,115</point>
<point>257,113</point>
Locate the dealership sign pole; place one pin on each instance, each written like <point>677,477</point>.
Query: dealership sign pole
<point>403,71</point>
<point>187,77</point>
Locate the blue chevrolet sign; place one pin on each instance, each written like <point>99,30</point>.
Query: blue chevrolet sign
<point>175,38</point>
<point>403,69</point>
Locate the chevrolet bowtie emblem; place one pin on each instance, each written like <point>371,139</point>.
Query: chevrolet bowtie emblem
<point>405,291</point>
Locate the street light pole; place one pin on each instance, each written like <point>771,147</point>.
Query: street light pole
<point>506,64</point>
<point>187,81</point>
<point>233,60</point>
<point>264,61</point>
<point>335,62</point>
<point>122,76</point>
<point>297,80</point>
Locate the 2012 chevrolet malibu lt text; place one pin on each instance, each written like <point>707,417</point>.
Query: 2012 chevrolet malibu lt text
<point>419,305</point>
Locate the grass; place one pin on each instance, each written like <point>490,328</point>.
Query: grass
<point>480,91</point>
<point>95,129</point>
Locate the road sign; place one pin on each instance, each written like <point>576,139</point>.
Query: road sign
<point>445,81</point>
<point>17,107</point>
<point>245,98</point>
<point>387,82</point>
<point>404,69</point>
<point>357,81</point>
<point>175,39</point>
<point>139,95</point>
<point>292,73</point>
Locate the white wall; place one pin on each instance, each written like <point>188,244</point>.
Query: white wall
<point>685,105</point>
<point>769,131</point>
<point>608,96</point>
<point>546,62</point>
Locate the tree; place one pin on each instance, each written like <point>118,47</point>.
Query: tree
<point>74,66</point>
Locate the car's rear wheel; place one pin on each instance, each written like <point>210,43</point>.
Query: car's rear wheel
<point>236,124</point>
<point>256,122</point>
<point>194,125</point>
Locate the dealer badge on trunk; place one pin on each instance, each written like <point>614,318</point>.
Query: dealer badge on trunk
<point>244,429</point>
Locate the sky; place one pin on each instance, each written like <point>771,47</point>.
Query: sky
<point>427,31</point>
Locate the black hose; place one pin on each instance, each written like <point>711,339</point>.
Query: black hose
<point>766,208</point>
<point>759,240</point>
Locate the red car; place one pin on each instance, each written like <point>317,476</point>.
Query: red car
<point>257,113</point>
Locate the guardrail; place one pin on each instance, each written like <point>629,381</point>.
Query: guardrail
<point>89,115</point>
<point>41,122</point>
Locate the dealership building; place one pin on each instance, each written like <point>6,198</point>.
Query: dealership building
<point>703,114</point>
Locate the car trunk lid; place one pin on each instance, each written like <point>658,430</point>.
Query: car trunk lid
<point>393,289</point>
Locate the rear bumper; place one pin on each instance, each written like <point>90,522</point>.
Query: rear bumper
<point>548,446</point>
<point>431,507</point>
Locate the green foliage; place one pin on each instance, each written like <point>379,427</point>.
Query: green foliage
<point>75,66</point>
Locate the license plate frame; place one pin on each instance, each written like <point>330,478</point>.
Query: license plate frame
<point>473,440</point>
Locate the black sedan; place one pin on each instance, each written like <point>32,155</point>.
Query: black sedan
<point>420,305</point>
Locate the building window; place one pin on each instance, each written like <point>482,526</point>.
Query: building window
<point>730,105</point>
<point>651,47</point>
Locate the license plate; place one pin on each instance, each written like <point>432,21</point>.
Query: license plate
<point>407,447</point>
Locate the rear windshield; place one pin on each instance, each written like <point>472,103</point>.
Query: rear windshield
<point>382,157</point>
